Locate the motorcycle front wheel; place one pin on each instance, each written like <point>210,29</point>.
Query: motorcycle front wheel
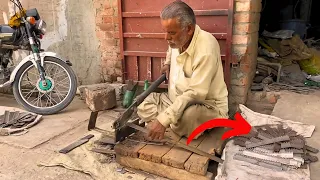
<point>46,98</point>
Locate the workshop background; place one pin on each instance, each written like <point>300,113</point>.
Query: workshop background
<point>114,41</point>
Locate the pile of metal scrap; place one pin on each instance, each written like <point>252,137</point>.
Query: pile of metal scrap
<point>275,147</point>
<point>15,121</point>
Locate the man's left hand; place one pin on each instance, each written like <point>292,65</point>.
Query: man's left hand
<point>156,130</point>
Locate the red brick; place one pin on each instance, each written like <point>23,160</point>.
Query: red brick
<point>245,39</point>
<point>106,26</point>
<point>101,35</point>
<point>115,20</point>
<point>109,34</point>
<point>107,12</point>
<point>248,6</point>
<point>240,17</point>
<point>116,35</point>
<point>240,39</point>
<point>107,19</point>
<point>115,4</point>
<point>107,5</point>
<point>245,28</point>
<point>111,42</point>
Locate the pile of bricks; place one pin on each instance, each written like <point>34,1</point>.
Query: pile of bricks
<point>275,147</point>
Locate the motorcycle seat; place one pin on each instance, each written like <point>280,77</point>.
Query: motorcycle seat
<point>6,29</point>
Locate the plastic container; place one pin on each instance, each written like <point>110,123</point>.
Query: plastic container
<point>297,25</point>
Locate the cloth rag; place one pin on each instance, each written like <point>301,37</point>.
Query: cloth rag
<point>234,169</point>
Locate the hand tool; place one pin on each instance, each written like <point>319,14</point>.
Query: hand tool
<point>76,144</point>
<point>121,130</point>
<point>179,144</point>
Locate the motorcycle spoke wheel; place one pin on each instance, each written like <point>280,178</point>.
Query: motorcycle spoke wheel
<point>57,89</point>
<point>47,97</point>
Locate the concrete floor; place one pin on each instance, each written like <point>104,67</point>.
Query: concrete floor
<point>305,109</point>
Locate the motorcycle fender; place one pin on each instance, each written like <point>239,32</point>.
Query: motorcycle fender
<point>31,58</point>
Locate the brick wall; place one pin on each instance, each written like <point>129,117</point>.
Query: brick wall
<point>107,31</point>
<point>3,8</point>
<point>244,47</point>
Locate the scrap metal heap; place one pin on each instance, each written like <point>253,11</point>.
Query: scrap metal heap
<point>274,147</point>
<point>15,121</point>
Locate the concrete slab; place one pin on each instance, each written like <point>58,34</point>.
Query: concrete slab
<point>305,109</point>
<point>50,126</point>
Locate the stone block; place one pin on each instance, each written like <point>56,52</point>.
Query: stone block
<point>119,89</point>
<point>100,98</point>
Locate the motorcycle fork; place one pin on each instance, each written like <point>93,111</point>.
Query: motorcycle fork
<point>36,55</point>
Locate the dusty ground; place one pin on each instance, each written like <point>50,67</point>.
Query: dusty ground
<point>20,155</point>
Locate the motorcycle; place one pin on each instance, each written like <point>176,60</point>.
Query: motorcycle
<point>42,82</point>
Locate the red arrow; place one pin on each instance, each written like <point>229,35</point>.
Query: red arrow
<point>240,127</point>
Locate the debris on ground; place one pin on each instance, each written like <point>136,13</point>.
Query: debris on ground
<point>105,148</point>
<point>12,122</point>
<point>286,62</point>
<point>76,144</point>
<point>275,147</point>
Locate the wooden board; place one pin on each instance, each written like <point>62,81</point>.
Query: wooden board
<point>211,144</point>
<point>177,156</point>
<point>160,169</point>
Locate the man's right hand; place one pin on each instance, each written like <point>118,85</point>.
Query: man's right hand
<point>165,69</point>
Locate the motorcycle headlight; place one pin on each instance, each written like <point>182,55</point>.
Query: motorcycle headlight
<point>41,26</point>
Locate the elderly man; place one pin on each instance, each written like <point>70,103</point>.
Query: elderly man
<point>197,91</point>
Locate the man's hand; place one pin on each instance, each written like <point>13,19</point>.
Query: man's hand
<point>165,69</point>
<point>156,130</point>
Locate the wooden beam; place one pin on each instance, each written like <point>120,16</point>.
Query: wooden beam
<point>160,169</point>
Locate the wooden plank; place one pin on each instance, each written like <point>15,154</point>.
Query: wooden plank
<point>212,144</point>
<point>177,156</point>
<point>160,169</point>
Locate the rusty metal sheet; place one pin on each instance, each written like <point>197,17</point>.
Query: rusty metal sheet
<point>142,43</point>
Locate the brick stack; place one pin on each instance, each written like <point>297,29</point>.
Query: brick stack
<point>244,47</point>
